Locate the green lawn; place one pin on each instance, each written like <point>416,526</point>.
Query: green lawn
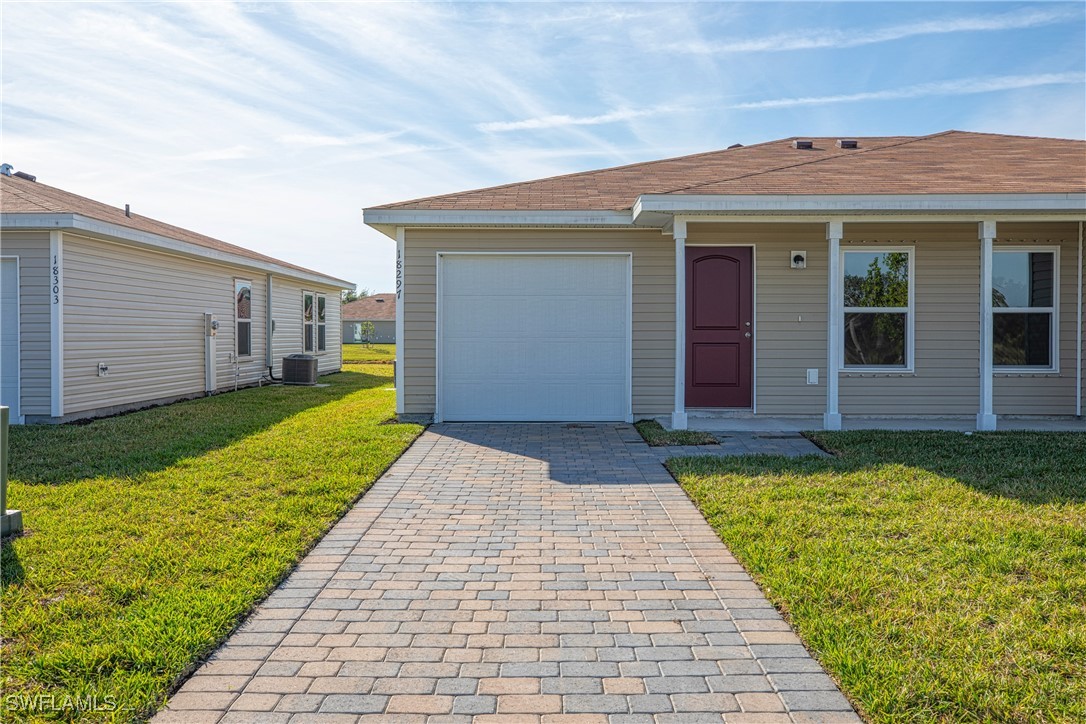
<point>362,354</point>
<point>151,534</point>
<point>655,435</point>
<point>937,576</point>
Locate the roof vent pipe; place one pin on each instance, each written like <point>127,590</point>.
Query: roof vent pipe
<point>848,143</point>
<point>28,177</point>
<point>735,145</point>
<point>803,145</point>
<point>6,169</point>
<point>127,211</point>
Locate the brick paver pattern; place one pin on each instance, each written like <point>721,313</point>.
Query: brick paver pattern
<point>516,573</point>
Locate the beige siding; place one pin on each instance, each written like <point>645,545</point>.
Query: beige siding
<point>287,313</point>
<point>653,302</point>
<point>790,326</point>
<point>1045,394</point>
<point>790,310</point>
<point>32,248</point>
<point>141,312</point>
<point>946,376</point>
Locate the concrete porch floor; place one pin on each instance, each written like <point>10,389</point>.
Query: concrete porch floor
<point>728,422</point>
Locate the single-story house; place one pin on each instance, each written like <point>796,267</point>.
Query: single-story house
<point>933,277</point>
<point>105,310</point>
<point>379,310</point>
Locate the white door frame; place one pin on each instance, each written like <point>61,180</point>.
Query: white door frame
<point>438,340</point>
<point>16,413</point>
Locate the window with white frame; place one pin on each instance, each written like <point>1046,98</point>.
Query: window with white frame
<point>322,329</point>
<point>1024,299</point>
<point>314,318</point>
<point>877,323</point>
<point>243,318</point>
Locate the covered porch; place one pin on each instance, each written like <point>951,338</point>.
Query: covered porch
<point>904,320</point>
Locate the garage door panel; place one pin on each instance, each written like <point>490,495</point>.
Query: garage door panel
<point>510,317</point>
<point>527,337</point>
<point>9,336</point>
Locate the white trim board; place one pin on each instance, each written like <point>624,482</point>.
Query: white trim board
<point>56,323</point>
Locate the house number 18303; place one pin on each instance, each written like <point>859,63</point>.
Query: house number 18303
<point>56,280</point>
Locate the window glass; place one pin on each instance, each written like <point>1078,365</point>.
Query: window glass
<point>1022,279</point>
<point>876,279</point>
<point>243,296</point>
<point>875,339</point>
<point>245,339</point>
<point>1022,340</point>
<point>321,338</point>
<point>320,309</point>
<point>307,308</point>
<point>308,338</point>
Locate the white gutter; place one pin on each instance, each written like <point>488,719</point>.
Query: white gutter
<point>837,203</point>
<point>109,231</point>
<point>1078,328</point>
<point>387,220</point>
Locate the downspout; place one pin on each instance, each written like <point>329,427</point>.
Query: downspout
<point>1078,333</point>
<point>269,329</point>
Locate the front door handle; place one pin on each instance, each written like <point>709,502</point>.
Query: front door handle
<point>747,334</point>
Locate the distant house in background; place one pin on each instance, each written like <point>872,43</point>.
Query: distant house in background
<point>105,311</point>
<point>380,309</point>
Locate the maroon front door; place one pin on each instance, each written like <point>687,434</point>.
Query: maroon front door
<point>719,326</point>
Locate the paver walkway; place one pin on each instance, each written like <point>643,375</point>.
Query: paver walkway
<point>508,573</point>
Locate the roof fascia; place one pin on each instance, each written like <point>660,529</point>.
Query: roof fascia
<point>651,209</point>
<point>386,220</point>
<point>95,228</point>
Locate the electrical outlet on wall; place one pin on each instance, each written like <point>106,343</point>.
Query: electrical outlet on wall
<point>103,369</point>
<point>812,376</point>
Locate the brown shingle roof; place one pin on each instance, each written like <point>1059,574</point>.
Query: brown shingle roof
<point>20,196</point>
<point>375,307</point>
<point>952,162</point>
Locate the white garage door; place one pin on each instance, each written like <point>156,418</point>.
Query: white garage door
<point>9,336</point>
<point>534,337</point>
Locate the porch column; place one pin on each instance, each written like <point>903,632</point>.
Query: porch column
<point>831,420</point>
<point>986,419</point>
<point>678,416</point>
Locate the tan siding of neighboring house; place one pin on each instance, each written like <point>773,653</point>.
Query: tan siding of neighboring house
<point>141,312</point>
<point>790,325</point>
<point>653,302</point>
<point>287,313</point>
<point>32,248</point>
<point>1045,394</point>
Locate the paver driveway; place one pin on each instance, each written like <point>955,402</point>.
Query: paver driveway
<point>516,573</point>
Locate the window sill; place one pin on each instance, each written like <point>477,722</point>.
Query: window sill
<point>1025,372</point>
<point>853,372</point>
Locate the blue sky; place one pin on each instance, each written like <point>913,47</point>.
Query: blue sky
<point>272,125</point>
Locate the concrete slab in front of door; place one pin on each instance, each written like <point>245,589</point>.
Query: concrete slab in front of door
<point>506,573</point>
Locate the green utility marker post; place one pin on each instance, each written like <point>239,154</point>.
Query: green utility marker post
<point>11,521</point>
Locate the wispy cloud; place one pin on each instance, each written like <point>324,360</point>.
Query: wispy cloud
<point>561,121</point>
<point>854,37</point>
<point>313,140</point>
<point>217,154</point>
<point>962,86</point>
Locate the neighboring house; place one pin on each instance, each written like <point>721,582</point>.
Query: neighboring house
<point>918,277</point>
<point>379,309</point>
<point>105,311</point>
